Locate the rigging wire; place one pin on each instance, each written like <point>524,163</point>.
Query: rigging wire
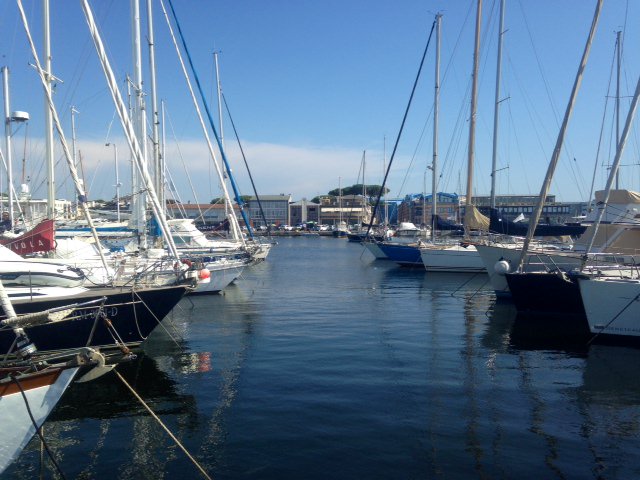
<point>255,191</point>
<point>604,115</point>
<point>395,146</point>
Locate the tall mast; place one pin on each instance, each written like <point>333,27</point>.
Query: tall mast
<point>73,143</point>
<point>227,204</point>
<point>384,169</point>
<point>614,171</point>
<point>436,106</point>
<point>533,222</point>
<point>364,186</point>
<point>496,106</point>
<point>619,48</point>
<point>155,136</point>
<point>219,93</point>
<point>139,200</point>
<point>339,201</point>
<point>7,138</point>
<point>472,118</point>
<point>49,160</point>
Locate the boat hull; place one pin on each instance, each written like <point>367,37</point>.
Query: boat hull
<point>542,293</point>
<point>612,307</point>
<point>134,313</point>
<point>218,280</point>
<point>535,262</point>
<point>42,390</point>
<point>403,255</point>
<point>454,259</point>
<point>375,250</point>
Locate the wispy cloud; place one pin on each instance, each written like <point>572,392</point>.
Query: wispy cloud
<point>299,170</point>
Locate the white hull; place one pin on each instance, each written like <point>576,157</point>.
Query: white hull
<point>612,306</point>
<point>36,273</point>
<point>453,259</point>
<point>17,427</point>
<point>220,277</point>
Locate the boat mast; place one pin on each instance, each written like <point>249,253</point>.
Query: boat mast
<point>73,144</point>
<point>384,169</point>
<point>533,222</point>
<point>51,184</point>
<point>129,129</point>
<point>614,171</point>
<point>496,106</point>
<point>339,202</point>
<point>44,79</point>
<point>139,199</point>
<point>364,188</point>
<point>234,220</point>
<point>436,106</point>
<point>619,48</point>
<point>155,135</point>
<point>219,93</point>
<point>227,201</point>
<point>472,118</point>
<point>7,139</point>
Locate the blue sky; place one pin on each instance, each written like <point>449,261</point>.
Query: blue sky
<point>311,85</point>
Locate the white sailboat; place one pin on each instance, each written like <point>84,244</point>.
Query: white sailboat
<point>612,306</point>
<point>30,386</point>
<point>439,257</point>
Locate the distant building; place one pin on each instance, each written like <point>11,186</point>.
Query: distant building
<point>36,209</point>
<point>418,208</point>
<point>275,208</point>
<point>352,209</point>
<point>213,214</point>
<point>304,211</point>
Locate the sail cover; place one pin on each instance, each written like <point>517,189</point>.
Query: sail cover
<point>474,220</point>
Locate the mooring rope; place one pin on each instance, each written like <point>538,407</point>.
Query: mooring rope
<point>173,437</point>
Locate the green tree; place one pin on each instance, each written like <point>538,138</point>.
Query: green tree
<point>371,190</point>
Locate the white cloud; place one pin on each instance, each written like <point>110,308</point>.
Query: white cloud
<point>299,170</point>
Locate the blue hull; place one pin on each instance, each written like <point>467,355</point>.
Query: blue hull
<point>403,255</point>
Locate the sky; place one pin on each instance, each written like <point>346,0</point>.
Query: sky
<point>316,87</point>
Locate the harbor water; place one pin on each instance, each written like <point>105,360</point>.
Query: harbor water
<point>321,363</point>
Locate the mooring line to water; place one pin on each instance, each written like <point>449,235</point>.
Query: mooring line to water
<point>173,437</point>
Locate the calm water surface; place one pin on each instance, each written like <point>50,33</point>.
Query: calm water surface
<point>322,363</point>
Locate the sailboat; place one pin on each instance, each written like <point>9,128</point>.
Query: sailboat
<point>460,257</point>
<point>32,384</point>
<point>567,292</point>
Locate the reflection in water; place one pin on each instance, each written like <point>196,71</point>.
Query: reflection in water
<point>318,365</point>
<point>235,316</point>
<point>94,416</point>
<point>107,397</point>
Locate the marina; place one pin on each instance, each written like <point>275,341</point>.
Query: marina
<point>161,319</point>
<point>322,362</point>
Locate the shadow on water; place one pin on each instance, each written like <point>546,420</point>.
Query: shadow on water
<point>107,397</point>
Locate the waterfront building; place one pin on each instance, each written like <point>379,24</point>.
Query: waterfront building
<point>417,208</point>
<point>304,211</point>
<point>352,209</point>
<point>275,208</point>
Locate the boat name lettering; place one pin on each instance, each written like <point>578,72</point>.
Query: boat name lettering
<point>31,244</point>
<point>110,312</point>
